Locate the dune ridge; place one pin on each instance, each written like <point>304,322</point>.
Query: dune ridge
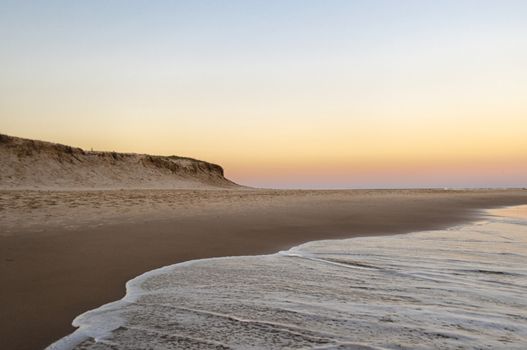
<point>33,164</point>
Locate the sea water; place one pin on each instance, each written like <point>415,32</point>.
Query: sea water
<point>460,288</point>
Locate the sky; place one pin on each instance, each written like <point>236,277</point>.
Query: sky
<point>286,94</point>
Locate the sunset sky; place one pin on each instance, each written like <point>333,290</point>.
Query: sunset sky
<point>294,94</point>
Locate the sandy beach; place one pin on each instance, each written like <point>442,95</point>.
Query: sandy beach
<point>67,252</point>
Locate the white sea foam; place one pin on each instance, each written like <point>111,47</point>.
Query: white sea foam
<point>463,287</point>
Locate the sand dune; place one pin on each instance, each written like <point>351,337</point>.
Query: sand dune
<point>31,164</point>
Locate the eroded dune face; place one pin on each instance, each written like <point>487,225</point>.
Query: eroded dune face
<point>31,164</point>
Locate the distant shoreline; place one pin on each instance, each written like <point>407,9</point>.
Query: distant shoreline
<point>64,255</point>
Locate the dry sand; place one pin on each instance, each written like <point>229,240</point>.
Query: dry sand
<point>63,253</point>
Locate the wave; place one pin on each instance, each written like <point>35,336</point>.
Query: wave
<point>461,287</point>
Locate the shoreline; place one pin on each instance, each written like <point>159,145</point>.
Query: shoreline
<point>78,270</point>
<point>133,290</point>
<point>79,335</point>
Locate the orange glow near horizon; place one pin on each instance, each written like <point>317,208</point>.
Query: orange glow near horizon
<point>420,174</point>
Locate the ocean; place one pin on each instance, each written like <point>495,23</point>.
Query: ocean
<point>459,288</point>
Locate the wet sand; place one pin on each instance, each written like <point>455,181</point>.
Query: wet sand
<point>63,253</point>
